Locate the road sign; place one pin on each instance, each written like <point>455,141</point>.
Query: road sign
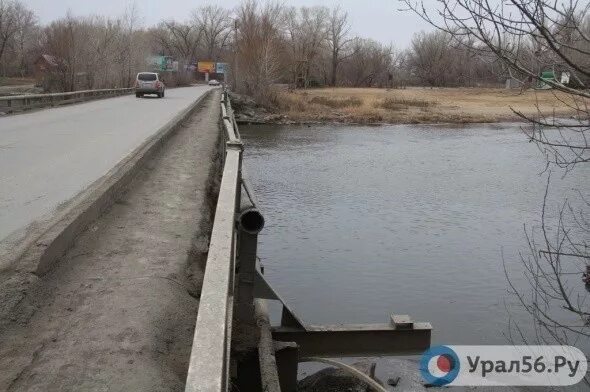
<point>221,68</point>
<point>162,63</point>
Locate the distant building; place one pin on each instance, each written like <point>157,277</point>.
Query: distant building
<point>553,77</point>
<point>546,76</point>
<point>43,67</point>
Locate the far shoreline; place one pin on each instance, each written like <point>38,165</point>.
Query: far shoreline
<point>411,106</point>
<point>514,120</point>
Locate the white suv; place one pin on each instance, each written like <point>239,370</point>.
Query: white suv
<point>149,83</point>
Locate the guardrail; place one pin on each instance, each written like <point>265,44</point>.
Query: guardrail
<point>12,103</point>
<point>234,240</point>
<point>210,355</point>
<point>234,291</point>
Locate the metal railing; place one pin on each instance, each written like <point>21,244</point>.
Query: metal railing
<point>11,103</point>
<point>234,291</point>
<point>210,355</point>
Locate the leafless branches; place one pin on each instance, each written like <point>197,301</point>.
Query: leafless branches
<point>525,35</point>
<point>214,22</point>
<point>94,52</point>
<point>17,32</point>
<point>553,267</point>
<point>259,47</point>
<point>338,40</point>
<point>529,38</point>
<point>370,64</point>
<point>180,40</point>
<point>306,34</point>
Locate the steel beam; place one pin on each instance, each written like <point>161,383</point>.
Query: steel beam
<point>287,362</point>
<point>265,291</point>
<point>269,375</point>
<point>356,340</point>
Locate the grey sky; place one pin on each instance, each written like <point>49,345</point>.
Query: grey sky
<point>377,19</point>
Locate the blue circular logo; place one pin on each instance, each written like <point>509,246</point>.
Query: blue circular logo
<point>439,365</point>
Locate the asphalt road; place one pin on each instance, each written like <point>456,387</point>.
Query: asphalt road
<point>49,156</point>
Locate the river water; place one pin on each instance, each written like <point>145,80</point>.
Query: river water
<point>363,222</point>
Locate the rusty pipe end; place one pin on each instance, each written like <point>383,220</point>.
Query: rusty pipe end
<point>251,220</point>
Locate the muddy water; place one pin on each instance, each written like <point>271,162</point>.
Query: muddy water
<point>363,222</point>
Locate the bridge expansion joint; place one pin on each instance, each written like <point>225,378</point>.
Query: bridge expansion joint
<point>235,145</point>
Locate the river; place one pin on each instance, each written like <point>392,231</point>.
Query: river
<point>363,222</point>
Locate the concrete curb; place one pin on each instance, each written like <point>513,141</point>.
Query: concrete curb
<point>44,245</point>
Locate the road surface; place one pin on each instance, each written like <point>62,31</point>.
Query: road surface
<point>49,156</point>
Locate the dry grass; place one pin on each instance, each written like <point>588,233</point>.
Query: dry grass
<point>336,103</point>
<point>416,105</point>
<point>5,81</point>
<point>397,103</point>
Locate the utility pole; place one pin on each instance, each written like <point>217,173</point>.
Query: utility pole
<point>235,66</point>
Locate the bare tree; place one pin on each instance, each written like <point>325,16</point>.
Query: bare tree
<point>26,22</point>
<point>437,59</point>
<point>134,52</point>
<point>338,40</point>
<point>402,69</point>
<point>306,34</point>
<point>215,24</point>
<point>259,47</point>
<point>101,45</point>
<point>8,24</point>
<point>179,39</point>
<point>369,64</point>
<point>62,40</point>
<point>432,57</point>
<point>95,52</point>
<point>16,25</point>
<point>530,37</point>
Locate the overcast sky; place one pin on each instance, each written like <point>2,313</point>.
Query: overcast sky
<point>377,19</point>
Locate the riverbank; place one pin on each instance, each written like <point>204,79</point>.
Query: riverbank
<point>415,105</point>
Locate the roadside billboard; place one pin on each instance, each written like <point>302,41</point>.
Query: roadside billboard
<point>206,67</point>
<point>162,63</point>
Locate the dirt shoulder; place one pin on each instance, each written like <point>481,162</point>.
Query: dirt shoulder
<point>117,312</point>
<point>403,106</point>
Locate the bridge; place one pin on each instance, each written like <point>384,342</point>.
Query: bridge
<point>128,256</point>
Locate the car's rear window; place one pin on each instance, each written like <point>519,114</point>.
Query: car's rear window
<point>146,77</point>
